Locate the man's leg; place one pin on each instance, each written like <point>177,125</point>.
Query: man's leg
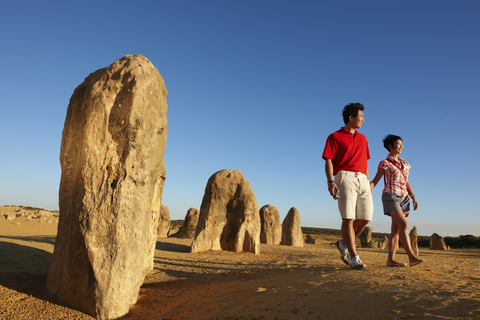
<point>359,225</point>
<point>348,235</point>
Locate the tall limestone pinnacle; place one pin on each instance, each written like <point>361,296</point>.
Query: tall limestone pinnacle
<point>111,187</point>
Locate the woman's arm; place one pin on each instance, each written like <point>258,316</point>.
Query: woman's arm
<point>410,193</point>
<point>380,173</point>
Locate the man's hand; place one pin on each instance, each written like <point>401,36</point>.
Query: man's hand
<point>333,189</point>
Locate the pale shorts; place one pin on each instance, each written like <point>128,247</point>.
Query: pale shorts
<point>355,197</point>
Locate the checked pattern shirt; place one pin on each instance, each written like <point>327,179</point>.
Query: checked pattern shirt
<point>395,178</point>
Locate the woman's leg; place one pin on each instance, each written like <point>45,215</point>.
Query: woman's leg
<point>402,225</point>
<point>393,242</point>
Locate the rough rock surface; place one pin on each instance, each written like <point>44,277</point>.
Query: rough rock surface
<point>366,237</point>
<point>111,188</point>
<point>189,226</point>
<point>229,218</point>
<point>310,239</point>
<point>384,243</point>
<point>437,242</point>
<point>271,232</point>
<point>292,229</point>
<point>163,222</point>
<point>414,240</point>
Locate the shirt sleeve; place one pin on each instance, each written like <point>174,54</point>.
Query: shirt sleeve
<point>383,165</point>
<point>368,150</point>
<point>330,148</point>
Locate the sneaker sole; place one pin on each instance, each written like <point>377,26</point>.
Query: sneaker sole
<point>345,260</point>
<point>358,267</point>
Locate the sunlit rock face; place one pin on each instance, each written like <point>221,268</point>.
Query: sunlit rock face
<point>229,217</point>
<point>111,188</point>
<point>292,229</point>
<point>437,242</point>
<point>163,222</point>
<point>271,232</point>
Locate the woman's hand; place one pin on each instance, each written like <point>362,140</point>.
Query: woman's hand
<point>415,203</point>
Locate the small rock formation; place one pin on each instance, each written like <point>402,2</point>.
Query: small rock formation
<point>44,217</point>
<point>175,225</point>
<point>310,239</point>
<point>271,232</point>
<point>366,237</point>
<point>414,240</point>
<point>437,242</point>
<point>11,216</point>
<point>384,243</point>
<point>292,230</point>
<point>163,222</point>
<point>187,231</point>
<point>111,187</point>
<point>229,218</point>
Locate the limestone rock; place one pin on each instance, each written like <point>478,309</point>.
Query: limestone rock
<point>188,229</point>
<point>366,237</point>
<point>174,227</point>
<point>11,216</point>
<point>111,188</point>
<point>310,239</point>
<point>414,241</point>
<point>271,232</point>
<point>190,222</point>
<point>229,218</point>
<point>292,230</point>
<point>437,242</point>
<point>163,222</point>
<point>384,243</point>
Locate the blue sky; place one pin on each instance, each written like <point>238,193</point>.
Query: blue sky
<point>258,86</point>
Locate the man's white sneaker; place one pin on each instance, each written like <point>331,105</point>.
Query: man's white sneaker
<point>344,254</point>
<point>356,263</point>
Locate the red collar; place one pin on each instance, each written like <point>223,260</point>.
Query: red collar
<point>342,130</point>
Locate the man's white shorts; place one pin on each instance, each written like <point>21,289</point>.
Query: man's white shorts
<point>355,201</point>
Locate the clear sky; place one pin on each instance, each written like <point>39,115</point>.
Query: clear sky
<point>258,86</point>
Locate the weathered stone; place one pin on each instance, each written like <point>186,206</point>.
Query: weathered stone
<point>310,239</point>
<point>188,228</point>
<point>365,237</point>
<point>111,188</point>
<point>11,216</point>
<point>271,232</point>
<point>371,244</point>
<point>163,222</point>
<point>44,217</point>
<point>384,243</point>
<point>437,242</point>
<point>292,230</point>
<point>414,241</point>
<point>229,218</point>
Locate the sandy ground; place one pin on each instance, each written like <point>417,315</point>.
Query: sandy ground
<point>280,283</point>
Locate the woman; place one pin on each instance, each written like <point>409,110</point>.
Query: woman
<point>396,202</point>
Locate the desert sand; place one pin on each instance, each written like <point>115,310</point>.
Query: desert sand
<point>280,283</point>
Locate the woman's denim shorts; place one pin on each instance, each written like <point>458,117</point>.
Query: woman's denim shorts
<point>393,202</point>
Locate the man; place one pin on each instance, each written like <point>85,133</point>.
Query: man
<point>346,157</point>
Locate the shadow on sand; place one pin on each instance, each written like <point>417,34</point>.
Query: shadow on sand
<point>24,269</point>
<point>172,247</point>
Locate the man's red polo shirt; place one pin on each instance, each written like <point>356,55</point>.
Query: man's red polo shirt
<point>347,151</point>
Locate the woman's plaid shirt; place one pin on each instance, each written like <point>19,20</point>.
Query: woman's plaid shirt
<point>395,178</point>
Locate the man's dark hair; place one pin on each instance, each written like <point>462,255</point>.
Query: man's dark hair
<point>389,140</point>
<point>351,109</point>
